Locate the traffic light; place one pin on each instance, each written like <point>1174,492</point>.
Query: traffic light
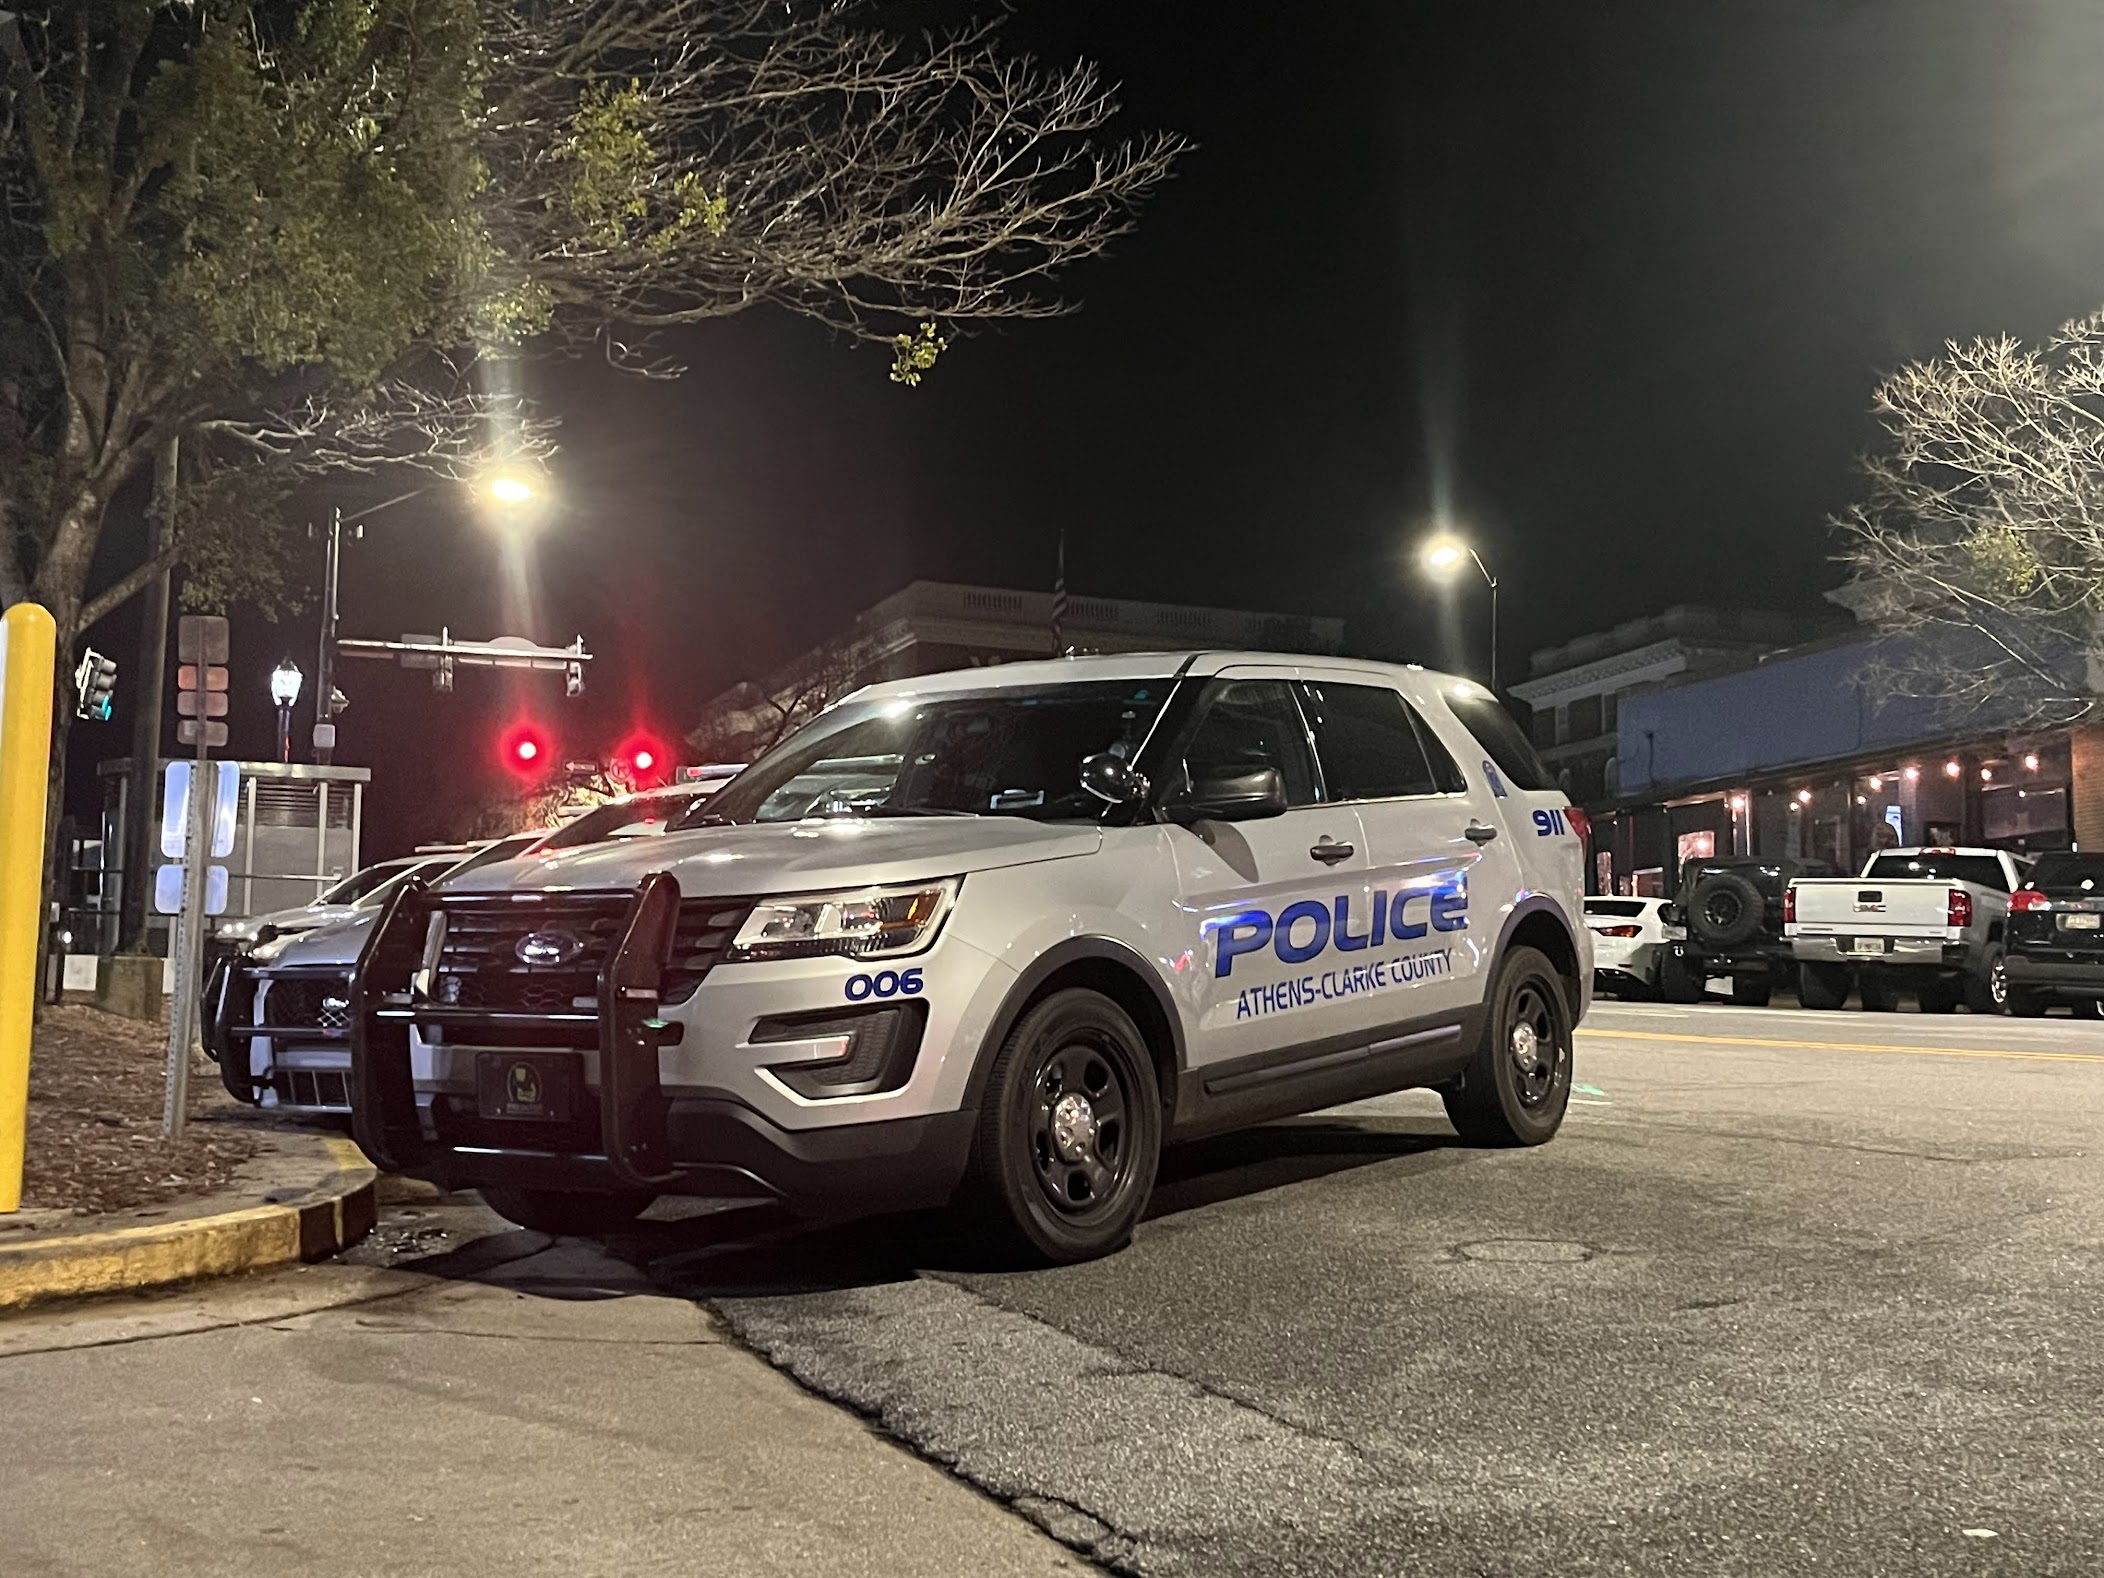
<point>527,750</point>
<point>642,759</point>
<point>200,680</point>
<point>96,682</point>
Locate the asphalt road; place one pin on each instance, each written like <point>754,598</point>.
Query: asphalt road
<point>1792,1292</point>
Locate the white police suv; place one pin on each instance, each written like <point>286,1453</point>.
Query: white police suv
<point>994,937</point>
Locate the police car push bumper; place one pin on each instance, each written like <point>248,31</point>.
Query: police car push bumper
<point>640,1137</point>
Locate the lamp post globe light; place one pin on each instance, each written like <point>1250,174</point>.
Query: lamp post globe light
<point>1442,556</point>
<point>285,691</point>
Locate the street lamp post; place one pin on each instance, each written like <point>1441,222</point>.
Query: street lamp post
<point>512,491</point>
<point>285,691</point>
<point>1442,557</point>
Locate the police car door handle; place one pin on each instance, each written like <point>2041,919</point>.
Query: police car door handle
<point>1478,833</point>
<point>1329,851</point>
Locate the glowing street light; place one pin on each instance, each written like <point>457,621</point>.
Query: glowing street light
<point>285,691</point>
<point>509,488</point>
<point>1443,556</point>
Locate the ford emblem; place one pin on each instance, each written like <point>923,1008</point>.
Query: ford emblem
<point>548,947</point>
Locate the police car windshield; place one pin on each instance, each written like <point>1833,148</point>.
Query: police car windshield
<point>996,753</point>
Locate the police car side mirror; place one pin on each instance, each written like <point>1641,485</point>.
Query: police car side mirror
<point>1113,780</point>
<point>1242,795</point>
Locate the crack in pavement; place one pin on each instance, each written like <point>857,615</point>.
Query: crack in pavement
<point>1080,1437</point>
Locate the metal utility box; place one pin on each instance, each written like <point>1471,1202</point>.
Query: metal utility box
<point>298,834</point>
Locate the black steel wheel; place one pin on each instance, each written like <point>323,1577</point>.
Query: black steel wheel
<point>1517,1086</point>
<point>566,1213</point>
<point>1070,1130</point>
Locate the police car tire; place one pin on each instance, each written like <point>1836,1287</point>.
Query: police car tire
<point>1488,1108</point>
<point>1005,1187</point>
<point>566,1213</point>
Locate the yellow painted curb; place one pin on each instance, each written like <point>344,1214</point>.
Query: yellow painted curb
<point>310,1225</point>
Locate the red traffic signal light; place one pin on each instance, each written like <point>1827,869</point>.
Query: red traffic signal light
<point>526,749</point>
<point>643,759</point>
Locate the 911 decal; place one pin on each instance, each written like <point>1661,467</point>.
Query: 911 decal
<point>1550,822</point>
<point>885,983</point>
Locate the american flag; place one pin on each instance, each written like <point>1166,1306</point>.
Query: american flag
<point>1059,599</point>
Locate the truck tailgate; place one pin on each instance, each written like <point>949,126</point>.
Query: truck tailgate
<point>1849,906</point>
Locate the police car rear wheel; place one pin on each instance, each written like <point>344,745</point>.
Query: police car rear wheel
<point>1070,1130</point>
<point>566,1213</point>
<point>1517,1086</point>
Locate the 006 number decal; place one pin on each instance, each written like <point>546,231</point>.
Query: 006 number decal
<point>885,983</point>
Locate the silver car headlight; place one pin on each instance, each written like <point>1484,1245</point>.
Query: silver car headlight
<point>863,923</point>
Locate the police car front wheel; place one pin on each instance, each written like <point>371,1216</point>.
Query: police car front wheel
<point>1070,1129</point>
<point>1518,1084</point>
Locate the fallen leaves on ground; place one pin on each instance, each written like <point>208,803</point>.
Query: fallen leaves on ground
<point>95,1086</point>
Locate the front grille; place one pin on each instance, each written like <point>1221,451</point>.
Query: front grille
<point>310,1002</point>
<point>306,1087</point>
<point>704,933</point>
<point>485,961</point>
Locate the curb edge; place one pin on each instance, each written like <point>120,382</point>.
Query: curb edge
<point>308,1225</point>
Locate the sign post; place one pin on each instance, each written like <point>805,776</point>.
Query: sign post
<point>28,644</point>
<point>200,700</point>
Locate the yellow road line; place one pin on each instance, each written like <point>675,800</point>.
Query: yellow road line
<point>1846,1046</point>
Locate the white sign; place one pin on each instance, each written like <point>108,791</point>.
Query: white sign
<point>168,890</point>
<point>175,808</point>
<point>82,971</point>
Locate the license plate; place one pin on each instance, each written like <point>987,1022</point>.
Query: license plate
<point>532,1086</point>
<point>2080,922</point>
<point>1865,945</point>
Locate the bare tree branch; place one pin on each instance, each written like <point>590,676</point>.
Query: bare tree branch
<point>1980,541</point>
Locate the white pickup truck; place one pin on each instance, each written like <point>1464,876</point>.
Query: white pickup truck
<point>1931,919</point>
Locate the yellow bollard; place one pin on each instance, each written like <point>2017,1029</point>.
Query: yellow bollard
<point>28,640</point>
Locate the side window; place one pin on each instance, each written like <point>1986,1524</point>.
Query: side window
<point>1501,738</point>
<point>1446,772</point>
<point>1244,723</point>
<point>1366,743</point>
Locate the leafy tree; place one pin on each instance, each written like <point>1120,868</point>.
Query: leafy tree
<point>298,237</point>
<point>1979,545</point>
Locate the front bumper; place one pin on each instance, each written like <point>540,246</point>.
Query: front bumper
<point>652,1095</point>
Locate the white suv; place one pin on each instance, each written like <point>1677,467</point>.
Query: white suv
<point>995,936</point>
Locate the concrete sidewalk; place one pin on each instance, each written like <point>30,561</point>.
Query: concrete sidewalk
<point>537,1408</point>
<point>307,1196</point>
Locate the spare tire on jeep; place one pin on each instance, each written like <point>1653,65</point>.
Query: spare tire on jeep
<point>1725,910</point>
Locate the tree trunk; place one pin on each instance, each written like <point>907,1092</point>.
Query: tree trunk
<point>61,586</point>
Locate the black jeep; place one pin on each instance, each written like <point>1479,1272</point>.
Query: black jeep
<point>1732,909</point>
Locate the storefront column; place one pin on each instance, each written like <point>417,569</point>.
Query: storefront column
<point>2086,792</point>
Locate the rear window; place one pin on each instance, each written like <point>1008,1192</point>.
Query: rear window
<point>2067,873</point>
<point>1502,739</point>
<point>1622,907</point>
<point>1982,871</point>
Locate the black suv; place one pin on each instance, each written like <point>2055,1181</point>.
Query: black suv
<point>1732,908</point>
<point>2053,940</point>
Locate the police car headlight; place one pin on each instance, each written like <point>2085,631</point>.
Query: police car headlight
<point>868,923</point>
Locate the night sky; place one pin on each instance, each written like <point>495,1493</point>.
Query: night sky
<point>1606,285</point>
